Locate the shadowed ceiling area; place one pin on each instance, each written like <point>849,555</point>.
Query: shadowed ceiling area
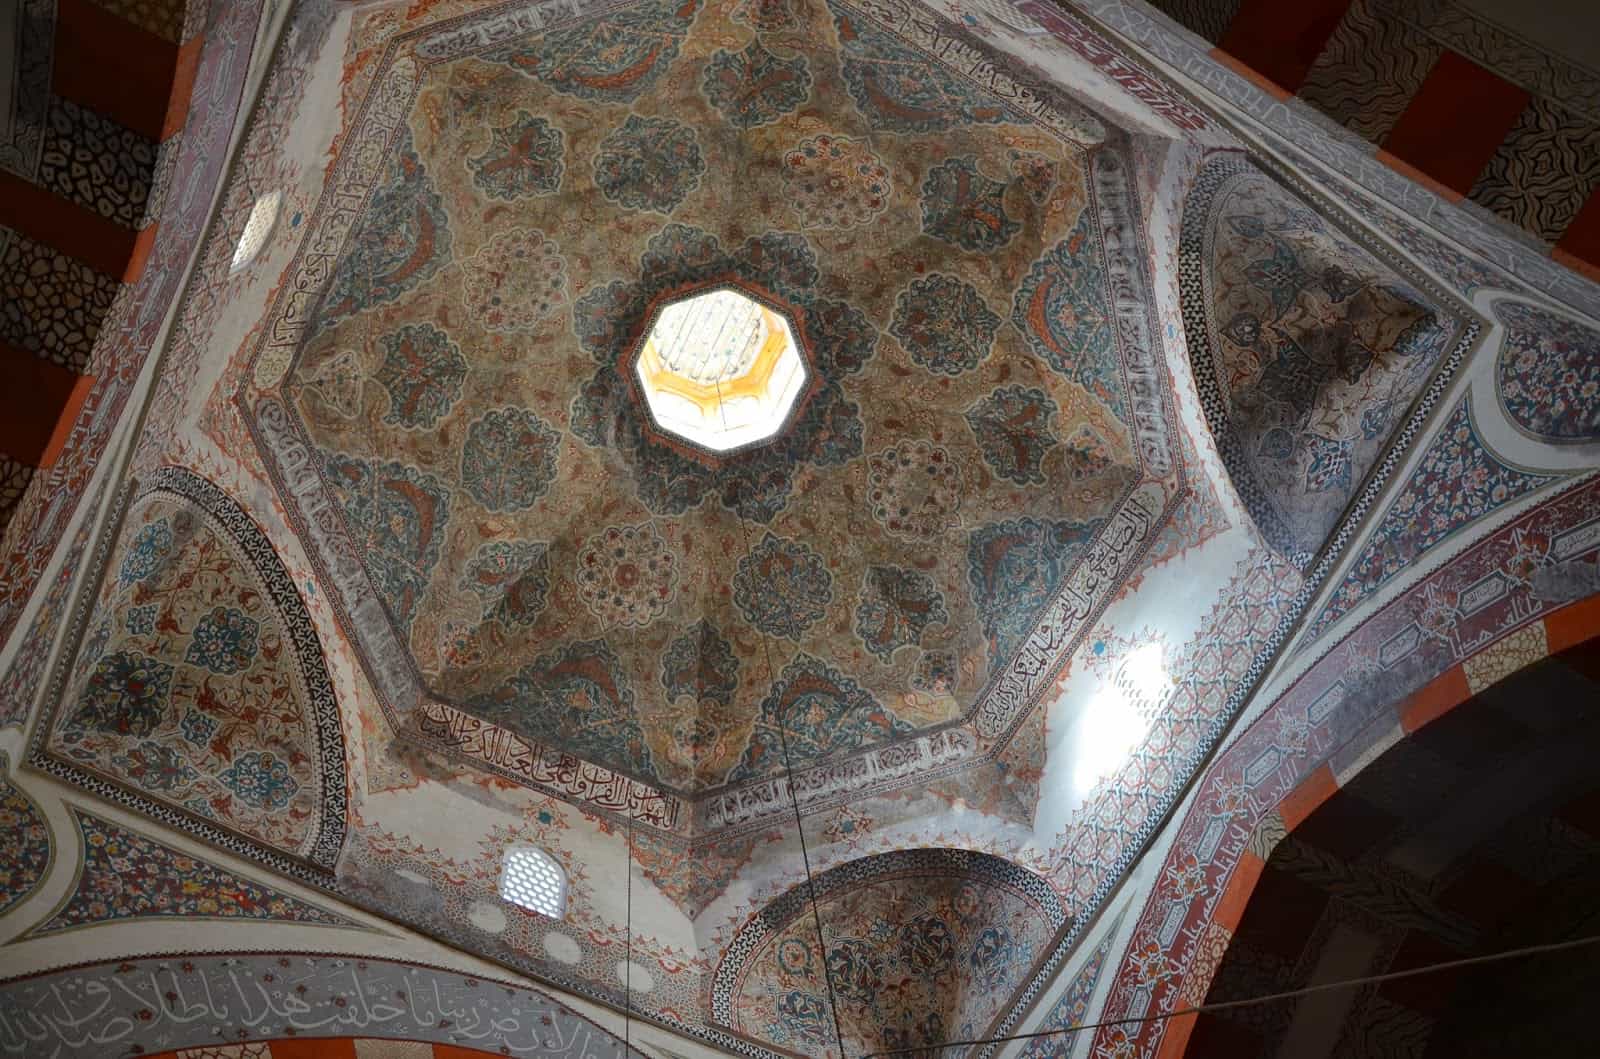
<point>1478,834</point>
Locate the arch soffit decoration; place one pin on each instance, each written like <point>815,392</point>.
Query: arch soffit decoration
<point>1310,388</point>
<point>964,933</point>
<point>225,722</point>
<point>1406,665</point>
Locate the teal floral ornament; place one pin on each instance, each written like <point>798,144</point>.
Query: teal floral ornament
<point>944,324</point>
<point>512,578</point>
<point>701,665</point>
<point>223,641</point>
<point>125,695</point>
<point>145,555</point>
<point>611,58</point>
<point>1063,313</point>
<point>649,164</point>
<point>897,606</point>
<point>1013,426</point>
<point>509,459</point>
<point>422,372</point>
<point>156,767</point>
<point>782,587</point>
<point>524,158</point>
<point>965,208</point>
<point>1014,569</point>
<point>755,87</point>
<point>24,843</point>
<point>261,779</point>
<point>402,240</point>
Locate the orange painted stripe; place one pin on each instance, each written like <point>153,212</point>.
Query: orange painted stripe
<point>1176,1040</point>
<point>112,66</point>
<point>1576,264</point>
<point>1456,121</point>
<point>65,419</point>
<point>1281,41</point>
<point>81,234</point>
<point>1435,699</point>
<point>182,86</point>
<point>1250,74</point>
<point>1304,799</point>
<point>139,256</point>
<point>1241,884</point>
<point>323,1048</point>
<point>31,401</point>
<point>1581,240</point>
<point>1405,168</point>
<point>1573,625</point>
<point>1244,70</point>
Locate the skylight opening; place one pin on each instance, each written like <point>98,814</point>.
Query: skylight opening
<point>263,216</point>
<point>530,878</point>
<point>720,369</point>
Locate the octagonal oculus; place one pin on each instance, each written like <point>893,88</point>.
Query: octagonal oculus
<point>720,369</point>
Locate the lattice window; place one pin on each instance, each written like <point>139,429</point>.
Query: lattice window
<point>263,215</point>
<point>531,879</point>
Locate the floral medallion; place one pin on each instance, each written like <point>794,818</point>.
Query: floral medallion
<point>126,694</point>
<point>897,606</point>
<point>1013,426</point>
<point>701,665</point>
<point>515,280</point>
<point>524,158</point>
<point>422,372</point>
<point>512,578</point>
<point>944,324</point>
<point>962,206</point>
<point>223,641</point>
<point>914,489</point>
<point>147,552</point>
<point>782,587</point>
<point>755,87</point>
<point>835,182</point>
<point>509,459</point>
<point>649,164</point>
<point>627,574</point>
<point>260,779</point>
<point>157,768</point>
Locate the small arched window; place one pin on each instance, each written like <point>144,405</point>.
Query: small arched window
<point>263,215</point>
<point>530,878</point>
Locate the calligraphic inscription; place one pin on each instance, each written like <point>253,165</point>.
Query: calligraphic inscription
<point>134,1008</point>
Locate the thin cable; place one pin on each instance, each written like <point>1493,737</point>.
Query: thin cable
<point>627,967</point>
<point>794,802</point>
<point>1290,994</point>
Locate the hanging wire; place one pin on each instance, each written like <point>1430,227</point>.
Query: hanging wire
<point>1269,998</point>
<point>788,775</point>
<point>627,967</point>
